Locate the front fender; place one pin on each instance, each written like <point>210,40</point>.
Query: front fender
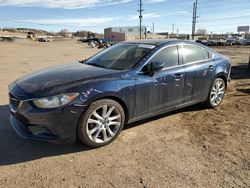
<point>123,90</point>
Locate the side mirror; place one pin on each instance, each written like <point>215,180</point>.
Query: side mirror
<point>153,67</point>
<point>157,66</point>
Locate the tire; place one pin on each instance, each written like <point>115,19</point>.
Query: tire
<point>216,93</point>
<point>101,123</point>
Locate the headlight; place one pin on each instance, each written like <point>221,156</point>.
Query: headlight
<point>55,101</point>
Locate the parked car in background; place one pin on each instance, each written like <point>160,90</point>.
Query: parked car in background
<point>87,40</point>
<point>244,42</point>
<point>212,42</point>
<point>93,99</point>
<point>44,39</point>
<point>231,41</point>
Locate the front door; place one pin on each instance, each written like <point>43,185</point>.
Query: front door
<point>163,89</point>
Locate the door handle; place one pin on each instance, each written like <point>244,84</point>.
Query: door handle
<point>211,67</point>
<point>178,76</point>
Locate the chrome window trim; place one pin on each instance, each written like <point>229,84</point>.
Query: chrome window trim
<point>213,55</point>
<point>180,65</point>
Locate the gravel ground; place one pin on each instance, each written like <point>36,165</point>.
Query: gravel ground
<point>192,147</point>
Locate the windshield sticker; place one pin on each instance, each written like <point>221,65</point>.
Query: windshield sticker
<point>146,46</point>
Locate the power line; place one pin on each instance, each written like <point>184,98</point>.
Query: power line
<point>49,24</point>
<point>140,16</point>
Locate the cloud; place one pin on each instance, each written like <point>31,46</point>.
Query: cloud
<point>154,15</point>
<point>182,12</point>
<point>78,22</point>
<point>145,16</point>
<point>65,4</point>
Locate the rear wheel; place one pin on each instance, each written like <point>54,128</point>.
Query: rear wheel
<point>216,93</point>
<point>101,123</point>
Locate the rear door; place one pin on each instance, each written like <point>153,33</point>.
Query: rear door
<point>198,68</point>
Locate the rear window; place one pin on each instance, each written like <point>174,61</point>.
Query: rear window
<point>207,54</point>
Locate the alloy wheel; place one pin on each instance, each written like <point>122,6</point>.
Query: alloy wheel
<point>217,92</point>
<point>103,123</point>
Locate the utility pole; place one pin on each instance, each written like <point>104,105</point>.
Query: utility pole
<point>140,16</point>
<point>173,29</point>
<point>153,28</point>
<point>194,18</point>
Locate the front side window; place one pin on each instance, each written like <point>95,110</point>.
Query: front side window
<point>167,55</point>
<point>120,57</point>
<point>191,54</point>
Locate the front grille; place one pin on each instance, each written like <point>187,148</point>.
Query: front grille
<point>14,102</point>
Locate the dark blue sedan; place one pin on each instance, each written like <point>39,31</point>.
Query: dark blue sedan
<point>93,99</point>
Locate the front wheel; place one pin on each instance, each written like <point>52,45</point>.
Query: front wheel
<point>101,123</point>
<point>216,93</point>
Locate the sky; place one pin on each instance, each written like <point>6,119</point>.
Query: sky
<point>216,16</point>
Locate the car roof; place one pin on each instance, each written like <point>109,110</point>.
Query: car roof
<point>157,42</point>
<point>150,41</point>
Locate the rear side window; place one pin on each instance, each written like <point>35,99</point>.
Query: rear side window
<point>191,54</point>
<point>168,55</point>
<point>207,54</point>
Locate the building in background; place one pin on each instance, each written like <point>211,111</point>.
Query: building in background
<point>123,33</point>
<point>119,34</point>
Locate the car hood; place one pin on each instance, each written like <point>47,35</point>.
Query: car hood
<point>57,79</point>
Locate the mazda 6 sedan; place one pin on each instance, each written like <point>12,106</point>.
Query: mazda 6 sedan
<point>92,100</point>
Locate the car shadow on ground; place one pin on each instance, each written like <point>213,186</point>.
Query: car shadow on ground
<point>246,91</point>
<point>14,150</point>
<point>240,71</point>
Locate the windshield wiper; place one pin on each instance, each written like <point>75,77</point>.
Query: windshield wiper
<point>93,64</point>
<point>82,61</point>
<point>96,65</point>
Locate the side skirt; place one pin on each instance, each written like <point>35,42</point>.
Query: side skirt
<point>165,111</point>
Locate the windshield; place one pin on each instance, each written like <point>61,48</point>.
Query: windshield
<point>120,56</point>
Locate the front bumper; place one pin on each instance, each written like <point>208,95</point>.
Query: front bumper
<point>50,125</point>
<point>25,132</point>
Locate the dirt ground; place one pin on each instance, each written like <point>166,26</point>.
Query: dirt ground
<point>192,147</point>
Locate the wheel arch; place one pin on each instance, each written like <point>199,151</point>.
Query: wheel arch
<point>81,134</point>
<point>220,75</point>
<point>120,101</point>
<point>223,77</point>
